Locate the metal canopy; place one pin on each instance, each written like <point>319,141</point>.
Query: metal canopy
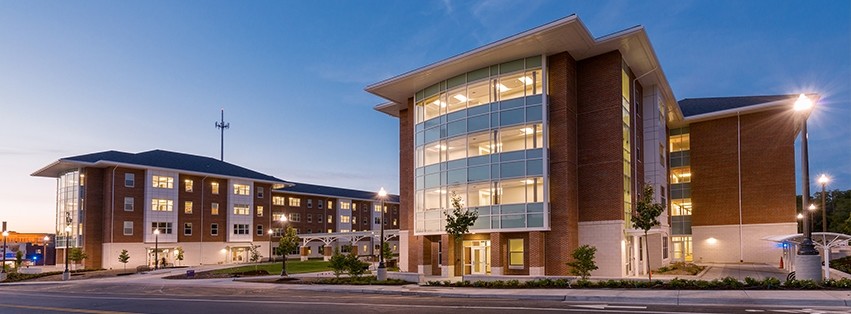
<point>821,239</point>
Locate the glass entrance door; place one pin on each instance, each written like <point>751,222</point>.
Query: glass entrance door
<point>477,257</point>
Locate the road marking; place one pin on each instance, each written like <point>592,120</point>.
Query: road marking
<point>606,306</point>
<point>61,309</point>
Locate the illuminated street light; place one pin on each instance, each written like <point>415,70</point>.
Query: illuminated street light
<point>382,270</point>
<point>807,261</point>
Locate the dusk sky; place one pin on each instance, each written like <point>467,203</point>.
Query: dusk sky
<point>78,77</point>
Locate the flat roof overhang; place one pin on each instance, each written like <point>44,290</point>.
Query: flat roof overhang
<point>567,34</point>
<point>785,103</point>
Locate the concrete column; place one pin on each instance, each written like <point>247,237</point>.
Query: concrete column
<point>303,251</point>
<point>808,267</point>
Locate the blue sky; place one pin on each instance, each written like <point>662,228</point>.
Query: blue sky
<point>86,76</point>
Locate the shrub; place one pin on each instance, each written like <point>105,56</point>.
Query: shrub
<point>338,263</point>
<point>583,261</point>
<point>355,266</point>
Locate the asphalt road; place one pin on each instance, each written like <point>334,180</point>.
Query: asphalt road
<point>109,298</point>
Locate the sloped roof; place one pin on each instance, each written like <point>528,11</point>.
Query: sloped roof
<point>304,188</point>
<point>698,106</point>
<point>156,159</point>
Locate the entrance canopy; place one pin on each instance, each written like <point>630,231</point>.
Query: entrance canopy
<point>821,239</point>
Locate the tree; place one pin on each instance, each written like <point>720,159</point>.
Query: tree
<point>646,216</point>
<point>288,243</point>
<point>124,257</point>
<point>458,223</point>
<point>254,251</point>
<point>354,265</point>
<point>583,261</point>
<point>77,255</point>
<point>388,253</point>
<point>179,254</point>
<point>338,263</point>
<point>19,259</point>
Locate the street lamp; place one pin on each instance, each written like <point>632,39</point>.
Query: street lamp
<point>67,274</point>
<point>382,270</point>
<point>270,244</point>
<point>807,264</point>
<point>812,210</point>
<point>5,235</point>
<point>156,248</point>
<point>284,254</point>
<point>823,180</point>
<point>44,253</point>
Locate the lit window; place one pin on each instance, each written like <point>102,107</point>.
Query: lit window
<point>214,209</point>
<point>162,182</point>
<point>395,221</point>
<point>187,207</point>
<point>345,219</point>
<point>187,229</point>
<point>681,207</point>
<point>188,185</point>
<point>330,230</point>
<point>129,180</point>
<point>515,253</point>
<point>161,205</point>
<point>330,205</point>
<point>295,217</point>
<point>330,219</point>
<point>680,175</point>
<point>128,204</point>
<point>214,187</point>
<point>241,189</point>
<point>679,142</point>
<point>354,220</point>
<point>295,202</point>
<point>128,228</point>
<point>241,209</point>
<point>214,229</point>
<point>378,208</point>
<point>278,200</point>
<point>259,211</point>
<point>345,205</point>
<point>277,216</point>
<point>240,229</point>
<point>164,227</point>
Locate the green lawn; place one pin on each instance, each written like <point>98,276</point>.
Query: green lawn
<point>293,267</point>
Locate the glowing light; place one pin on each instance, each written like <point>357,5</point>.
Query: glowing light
<point>382,192</point>
<point>800,216</point>
<point>712,241</point>
<point>502,88</point>
<point>812,207</point>
<point>526,80</point>
<point>803,103</point>
<point>823,179</point>
<point>460,97</point>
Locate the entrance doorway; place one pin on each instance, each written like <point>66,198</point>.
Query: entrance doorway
<point>239,255</point>
<point>477,255</point>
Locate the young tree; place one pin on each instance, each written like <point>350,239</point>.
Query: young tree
<point>288,243</point>
<point>338,263</point>
<point>254,251</point>
<point>124,257</point>
<point>77,255</point>
<point>458,222</point>
<point>355,266</point>
<point>388,253</point>
<point>19,259</point>
<point>646,216</point>
<point>583,261</point>
<point>179,254</point>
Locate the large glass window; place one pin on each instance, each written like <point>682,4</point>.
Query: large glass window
<point>679,140</point>
<point>515,253</point>
<point>681,207</point>
<point>680,175</point>
<point>162,205</point>
<point>241,189</point>
<point>163,182</point>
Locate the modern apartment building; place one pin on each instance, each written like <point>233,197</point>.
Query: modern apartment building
<point>211,210</point>
<point>551,134</point>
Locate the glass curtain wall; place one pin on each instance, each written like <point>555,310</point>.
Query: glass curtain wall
<point>681,206</point>
<point>69,194</point>
<point>627,148</point>
<point>480,135</point>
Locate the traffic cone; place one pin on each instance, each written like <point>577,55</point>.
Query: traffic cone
<point>781,262</point>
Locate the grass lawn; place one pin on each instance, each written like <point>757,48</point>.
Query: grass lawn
<point>293,267</point>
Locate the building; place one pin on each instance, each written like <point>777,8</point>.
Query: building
<point>37,248</point>
<point>551,134</point>
<point>210,210</point>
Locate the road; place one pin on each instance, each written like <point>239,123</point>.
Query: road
<point>119,297</point>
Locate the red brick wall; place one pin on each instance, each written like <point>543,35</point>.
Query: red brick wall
<point>197,208</point>
<point>564,205</point>
<point>266,202</point>
<point>600,138</point>
<point>93,223</point>
<point>137,192</point>
<point>406,184</point>
<point>209,218</point>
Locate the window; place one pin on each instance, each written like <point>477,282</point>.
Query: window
<point>161,205</point>
<point>679,140</point>
<point>365,221</point>
<point>295,217</point>
<point>214,187</point>
<point>277,232</point>
<point>240,229</point>
<point>187,207</point>
<point>395,222</point>
<point>330,205</point>
<point>128,228</point>
<point>259,210</point>
<point>345,219</point>
<point>163,182</point>
<point>681,207</point>
<point>128,204</point>
<point>214,209</point>
<point>681,175</point>
<point>309,203</point>
<point>260,191</point>
<point>278,200</point>
<point>319,204</point>
<point>295,202</point>
<point>377,208</point>
<point>665,247</point>
<point>309,217</point>
<point>129,180</point>
<point>345,205</point>
<point>515,253</point>
<point>187,229</point>
<point>330,230</point>
<point>259,230</point>
<point>354,206</point>
<point>164,227</point>
<point>355,220</point>
<point>330,219</point>
<point>377,220</point>
<point>188,185</point>
<point>277,216</point>
<point>241,189</point>
<point>241,209</point>
<point>214,229</point>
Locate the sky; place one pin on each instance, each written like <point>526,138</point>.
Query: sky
<point>78,77</point>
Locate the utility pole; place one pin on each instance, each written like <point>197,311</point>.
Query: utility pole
<point>222,125</point>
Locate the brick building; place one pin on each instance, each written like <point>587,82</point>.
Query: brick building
<point>550,135</point>
<point>212,210</point>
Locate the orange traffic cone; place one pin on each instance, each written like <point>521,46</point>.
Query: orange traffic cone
<point>781,262</point>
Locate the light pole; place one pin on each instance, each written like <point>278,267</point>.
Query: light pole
<point>382,270</point>
<point>270,244</point>
<point>156,248</point>
<point>44,254</point>
<point>807,263</point>
<point>812,209</point>
<point>823,180</point>
<point>67,274</point>
<point>5,235</point>
<point>284,254</point>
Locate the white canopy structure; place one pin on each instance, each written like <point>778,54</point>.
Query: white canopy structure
<point>823,240</point>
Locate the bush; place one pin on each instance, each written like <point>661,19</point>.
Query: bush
<point>583,261</point>
<point>368,280</point>
<point>338,263</point>
<point>355,266</point>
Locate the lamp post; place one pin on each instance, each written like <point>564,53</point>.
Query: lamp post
<point>270,244</point>
<point>44,254</point>
<point>156,248</point>
<point>812,210</point>
<point>823,180</point>
<point>807,263</point>
<point>5,235</point>
<point>382,270</point>
<point>284,254</point>
<point>67,274</point>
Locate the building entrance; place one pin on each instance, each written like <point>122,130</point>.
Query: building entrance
<point>477,255</point>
